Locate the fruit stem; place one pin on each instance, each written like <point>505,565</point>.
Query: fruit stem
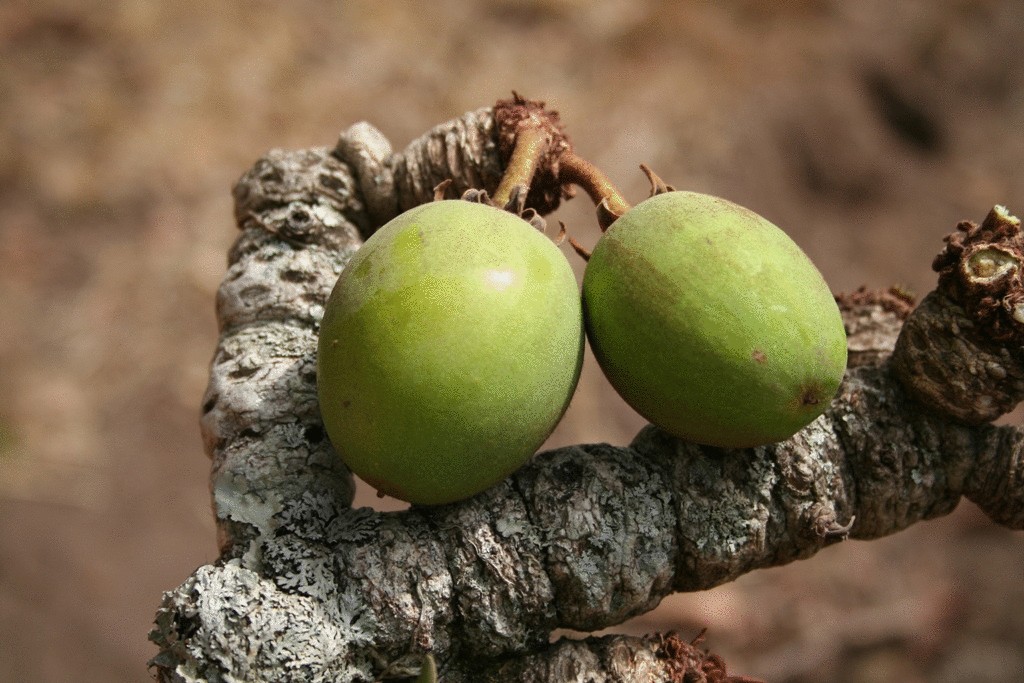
<point>573,168</point>
<point>531,143</point>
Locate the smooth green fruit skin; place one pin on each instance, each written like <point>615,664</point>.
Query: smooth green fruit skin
<point>711,322</point>
<point>449,349</point>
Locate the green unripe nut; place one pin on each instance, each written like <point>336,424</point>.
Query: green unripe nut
<point>711,322</point>
<point>449,350</point>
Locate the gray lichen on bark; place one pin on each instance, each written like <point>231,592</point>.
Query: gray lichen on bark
<point>583,537</point>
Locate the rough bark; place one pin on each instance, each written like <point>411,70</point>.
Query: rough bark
<point>584,537</point>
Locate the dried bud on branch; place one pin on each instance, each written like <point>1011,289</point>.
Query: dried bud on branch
<point>960,353</point>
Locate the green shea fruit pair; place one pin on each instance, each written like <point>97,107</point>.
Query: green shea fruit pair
<point>711,322</point>
<point>449,349</point>
<point>452,342</point>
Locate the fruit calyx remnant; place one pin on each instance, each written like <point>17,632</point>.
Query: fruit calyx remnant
<point>658,186</point>
<point>514,206</point>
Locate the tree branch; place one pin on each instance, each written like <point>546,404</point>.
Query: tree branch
<point>584,537</point>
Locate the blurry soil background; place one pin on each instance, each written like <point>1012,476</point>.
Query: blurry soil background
<point>865,129</point>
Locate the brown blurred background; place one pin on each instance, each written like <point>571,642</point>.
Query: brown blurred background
<point>866,129</point>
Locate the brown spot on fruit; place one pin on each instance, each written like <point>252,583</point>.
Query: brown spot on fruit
<point>758,356</point>
<point>811,394</point>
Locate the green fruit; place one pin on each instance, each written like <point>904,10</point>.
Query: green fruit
<point>711,322</point>
<point>448,351</point>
